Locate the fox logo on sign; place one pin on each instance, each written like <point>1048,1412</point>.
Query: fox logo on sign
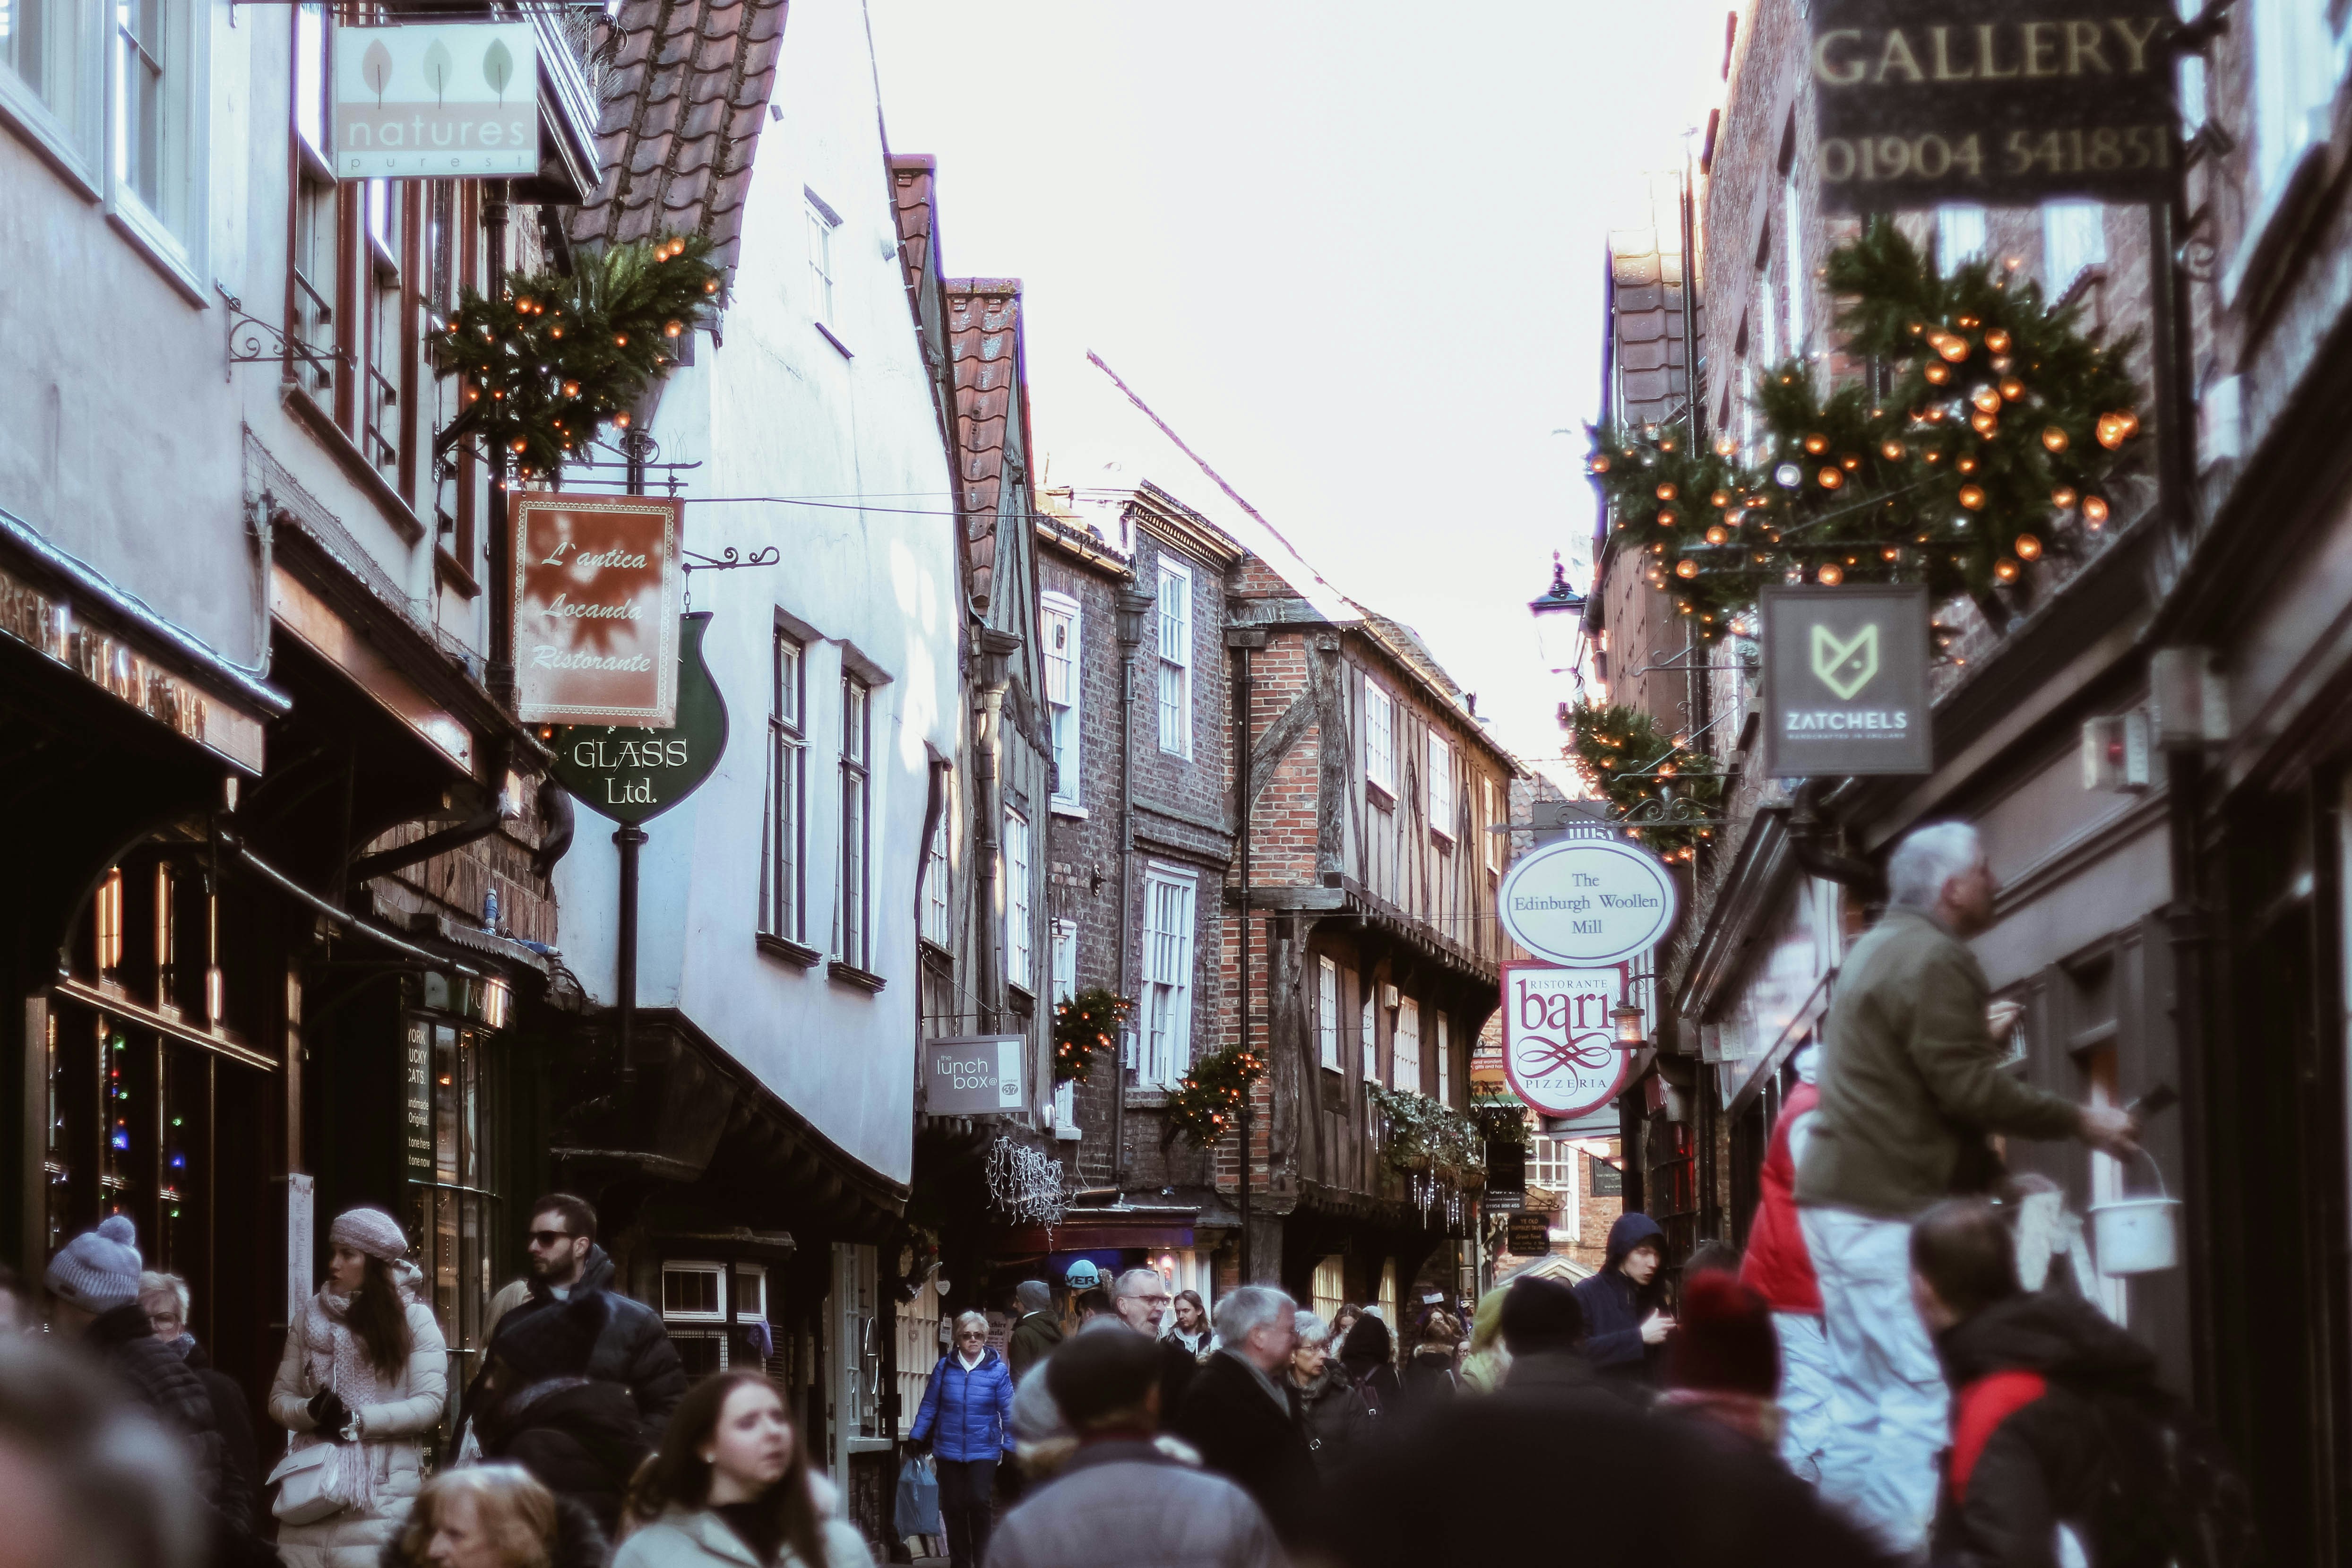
<point>1845,667</point>
<point>1845,681</point>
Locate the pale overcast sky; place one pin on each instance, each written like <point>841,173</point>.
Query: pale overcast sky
<point>1351,252</point>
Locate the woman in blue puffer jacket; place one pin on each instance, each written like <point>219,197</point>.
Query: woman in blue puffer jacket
<point>966,1421</point>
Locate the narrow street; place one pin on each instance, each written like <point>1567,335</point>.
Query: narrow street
<point>830,783</point>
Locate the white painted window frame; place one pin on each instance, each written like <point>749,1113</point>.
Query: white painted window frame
<point>1380,738</point>
<point>1175,655</point>
<point>1404,1048</point>
<point>1441,787</point>
<point>1326,1012</point>
<point>1058,614</point>
<point>1019,937</point>
<point>1169,897</point>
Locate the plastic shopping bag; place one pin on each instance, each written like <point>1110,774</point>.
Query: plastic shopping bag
<point>918,1498</point>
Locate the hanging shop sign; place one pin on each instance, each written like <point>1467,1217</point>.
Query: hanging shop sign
<point>1588,901</point>
<point>1925,102</point>
<point>973,1075</point>
<point>1528,1236</point>
<point>596,596</point>
<point>634,774</point>
<point>1845,681</point>
<point>435,100</point>
<point>1507,1178</point>
<point>1559,1045</point>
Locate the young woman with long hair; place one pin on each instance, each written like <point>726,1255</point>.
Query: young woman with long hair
<point>732,1476</point>
<point>365,1374</point>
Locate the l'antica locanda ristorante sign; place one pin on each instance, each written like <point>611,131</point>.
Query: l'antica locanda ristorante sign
<point>2004,102</point>
<point>596,593</point>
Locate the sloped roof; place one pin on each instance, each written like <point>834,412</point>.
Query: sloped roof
<point>913,176</point>
<point>1649,358</point>
<point>983,347</point>
<point>680,120</point>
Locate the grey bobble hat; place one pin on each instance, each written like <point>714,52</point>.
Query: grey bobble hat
<point>98,1269</point>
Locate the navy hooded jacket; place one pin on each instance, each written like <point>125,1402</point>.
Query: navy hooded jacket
<point>1614,1306</point>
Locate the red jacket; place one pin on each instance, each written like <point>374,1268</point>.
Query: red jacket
<point>1776,1266</point>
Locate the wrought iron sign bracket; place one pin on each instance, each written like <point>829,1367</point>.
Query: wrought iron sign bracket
<point>249,340</point>
<point>727,560</point>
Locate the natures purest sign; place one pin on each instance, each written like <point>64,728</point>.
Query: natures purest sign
<point>632,774</point>
<point>1588,901</point>
<point>1559,1045</point>
<point>436,101</point>
<point>2005,102</point>
<point>973,1075</point>
<point>597,587</point>
<point>1845,681</point>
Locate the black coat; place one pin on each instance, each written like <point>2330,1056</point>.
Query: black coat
<point>239,1496</point>
<point>1338,1420</point>
<point>1428,1378</point>
<point>1570,1450</point>
<point>1032,1341</point>
<point>1178,1368</point>
<point>2030,1449</point>
<point>1243,1435</point>
<point>580,1437</point>
<point>597,1333</point>
<point>1614,1306</point>
<point>153,1371</point>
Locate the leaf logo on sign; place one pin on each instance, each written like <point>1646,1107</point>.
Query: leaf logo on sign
<point>438,67</point>
<point>1845,667</point>
<point>497,67</point>
<point>375,66</point>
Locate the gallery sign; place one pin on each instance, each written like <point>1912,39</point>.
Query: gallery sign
<point>2000,103</point>
<point>1588,901</point>
<point>597,592</point>
<point>1845,681</point>
<point>436,99</point>
<point>633,774</point>
<point>974,1074</point>
<point>1559,1045</point>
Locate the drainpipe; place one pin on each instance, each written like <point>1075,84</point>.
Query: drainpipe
<point>499,674</point>
<point>996,650</point>
<point>1241,642</point>
<point>1133,605</point>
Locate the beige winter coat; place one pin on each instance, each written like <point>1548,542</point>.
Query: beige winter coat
<point>701,1539</point>
<point>393,1432</point>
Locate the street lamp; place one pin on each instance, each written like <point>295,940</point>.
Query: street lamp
<point>1134,603</point>
<point>1559,619</point>
<point>1627,1016</point>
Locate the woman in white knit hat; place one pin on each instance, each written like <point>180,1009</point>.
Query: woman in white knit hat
<point>365,1374</point>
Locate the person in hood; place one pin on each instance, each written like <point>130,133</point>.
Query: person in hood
<point>366,1372</point>
<point>1428,1374</point>
<point>1366,1355</point>
<point>1034,1331</point>
<point>966,1419</point>
<point>1625,1320</point>
<point>2056,1413</point>
<point>1779,1270</point>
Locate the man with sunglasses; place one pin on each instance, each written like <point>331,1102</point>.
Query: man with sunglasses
<point>578,1379</point>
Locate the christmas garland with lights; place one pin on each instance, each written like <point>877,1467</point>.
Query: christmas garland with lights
<point>1206,1105</point>
<point>1501,1118</point>
<point>1639,769</point>
<point>1085,1024</point>
<point>552,359</point>
<point>1987,430</point>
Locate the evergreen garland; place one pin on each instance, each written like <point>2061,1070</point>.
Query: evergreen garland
<point>2002,428</point>
<point>1426,1137</point>
<point>1083,1025</point>
<point>548,362</point>
<point>1501,1119</point>
<point>1207,1104</point>
<point>1634,763</point>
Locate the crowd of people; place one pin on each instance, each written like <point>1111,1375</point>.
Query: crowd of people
<point>1869,1381</point>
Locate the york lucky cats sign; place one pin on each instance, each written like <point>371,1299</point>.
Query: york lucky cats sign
<point>596,594</point>
<point>1559,1045</point>
<point>2005,102</point>
<point>1588,901</point>
<point>436,99</point>
<point>1845,681</point>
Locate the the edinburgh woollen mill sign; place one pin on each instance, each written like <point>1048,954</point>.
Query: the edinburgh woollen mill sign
<point>596,594</point>
<point>2002,103</point>
<point>1845,681</point>
<point>1559,1044</point>
<point>1588,901</point>
<point>433,100</point>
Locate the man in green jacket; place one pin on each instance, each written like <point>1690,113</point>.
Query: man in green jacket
<point>1912,1084</point>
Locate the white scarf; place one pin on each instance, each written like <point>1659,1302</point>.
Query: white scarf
<point>333,1357</point>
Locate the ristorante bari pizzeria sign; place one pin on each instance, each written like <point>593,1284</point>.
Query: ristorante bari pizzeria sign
<point>2004,102</point>
<point>597,586</point>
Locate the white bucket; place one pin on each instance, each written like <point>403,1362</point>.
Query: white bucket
<point>2138,1236</point>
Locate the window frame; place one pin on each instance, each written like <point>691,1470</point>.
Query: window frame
<point>784,903</point>
<point>1175,623</point>
<point>1398,1057</point>
<point>1445,1060</point>
<point>1169,952</point>
<point>824,226</point>
<point>1064,713</point>
<point>1020,908</point>
<point>1496,843</point>
<point>853,934</point>
<point>1443,801</point>
<point>2073,240</point>
<point>1368,1027</point>
<point>1955,221</point>
<point>1327,1013</point>
<point>938,879</point>
<point>1792,262</point>
<point>1380,738</point>
<point>72,135</point>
